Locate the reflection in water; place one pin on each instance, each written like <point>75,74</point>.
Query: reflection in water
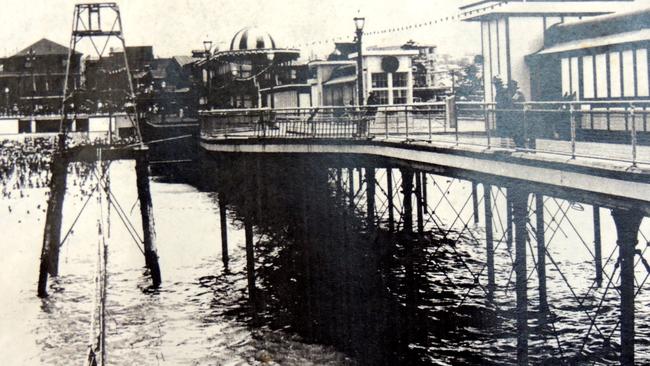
<point>324,274</point>
<point>324,282</point>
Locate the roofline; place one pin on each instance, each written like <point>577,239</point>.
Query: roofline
<point>334,62</point>
<point>386,53</point>
<point>558,8</point>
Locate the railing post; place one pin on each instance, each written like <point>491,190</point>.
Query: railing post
<point>406,119</point>
<point>486,107</point>
<point>386,120</point>
<point>525,122</point>
<point>573,130</point>
<point>430,110</point>
<point>634,142</point>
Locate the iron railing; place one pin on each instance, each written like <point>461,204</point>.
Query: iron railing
<point>610,130</point>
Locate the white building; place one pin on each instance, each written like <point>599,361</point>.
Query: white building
<point>511,31</point>
<point>601,58</point>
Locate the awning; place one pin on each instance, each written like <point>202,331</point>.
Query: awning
<point>610,40</point>
<point>341,80</point>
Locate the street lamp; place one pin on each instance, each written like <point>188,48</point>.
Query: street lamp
<point>6,100</point>
<point>359,23</point>
<point>207,46</point>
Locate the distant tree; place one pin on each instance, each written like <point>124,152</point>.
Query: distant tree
<point>469,80</point>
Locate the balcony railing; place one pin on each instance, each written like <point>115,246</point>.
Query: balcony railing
<point>610,130</point>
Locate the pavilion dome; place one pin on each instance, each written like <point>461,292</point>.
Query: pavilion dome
<point>251,38</point>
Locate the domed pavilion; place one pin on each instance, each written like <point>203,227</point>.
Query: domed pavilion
<point>253,62</point>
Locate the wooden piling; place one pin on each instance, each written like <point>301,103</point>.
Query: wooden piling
<point>598,255</point>
<point>146,212</point>
<point>475,202</point>
<point>370,196</point>
<point>418,202</point>
<point>627,227</point>
<point>541,252</point>
<point>391,205</point>
<point>519,201</point>
<point>489,239</point>
<point>224,228</point>
<point>52,232</point>
<point>407,203</point>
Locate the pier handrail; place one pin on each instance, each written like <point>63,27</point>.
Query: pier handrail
<point>621,126</point>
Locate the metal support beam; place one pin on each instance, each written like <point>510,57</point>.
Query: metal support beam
<point>407,191</point>
<point>598,253</point>
<point>489,240</point>
<point>391,205</point>
<point>541,252</point>
<point>519,201</point>
<point>52,232</point>
<point>370,197</point>
<point>627,227</point>
<point>224,228</point>
<point>146,212</point>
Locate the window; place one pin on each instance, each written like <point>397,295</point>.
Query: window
<point>588,76</point>
<point>642,72</point>
<point>601,75</point>
<point>615,74</point>
<point>382,96</point>
<point>400,80</point>
<point>379,80</point>
<point>575,76</point>
<point>566,76</point>
<point>399,96</point>
<point>628,73</point>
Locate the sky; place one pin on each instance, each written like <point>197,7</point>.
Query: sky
<point>175,27</point>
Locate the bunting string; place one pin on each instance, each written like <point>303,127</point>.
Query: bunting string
<point>407,27</point>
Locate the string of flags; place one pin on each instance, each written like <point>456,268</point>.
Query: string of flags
<point>406,27</point>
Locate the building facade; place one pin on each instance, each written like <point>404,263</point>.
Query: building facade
<point>602,58</point>
<point>32,80</point>
<point>511,31</point>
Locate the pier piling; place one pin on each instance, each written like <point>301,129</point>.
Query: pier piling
<point>224,228</point>
<point>407,191</point>
<point>52,232</point>
<point>541,252</point>
<point>598,255</point>
<point>418,202</point>
<point>489,240</point>
<point>627,227</point>
<point>475,202</point>
<point>351,187</point>
<point>370,196</point>
<point>391,206</point>
<point>519,201</point>
<point>250,258</point>
<point>146,212</point>
<point>509,219</point>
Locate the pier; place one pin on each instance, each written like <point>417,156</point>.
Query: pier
<point>522,189</point>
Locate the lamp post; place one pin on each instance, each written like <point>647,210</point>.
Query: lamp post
<point>358,23</point>
<point>7,100</point>
<point>207,46</point>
